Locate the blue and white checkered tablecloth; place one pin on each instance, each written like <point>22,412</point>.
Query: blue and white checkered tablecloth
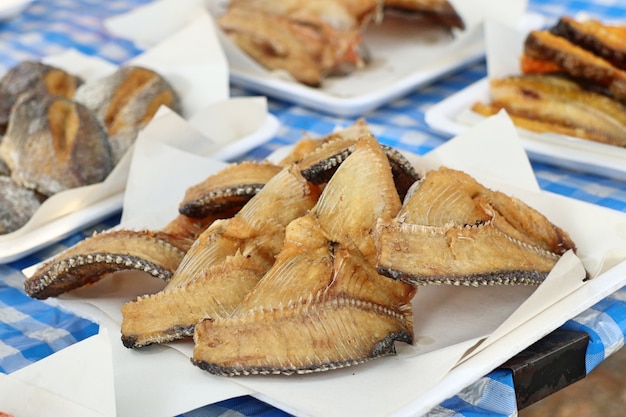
<point>31,330</point>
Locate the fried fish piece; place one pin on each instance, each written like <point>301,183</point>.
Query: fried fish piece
<point>605,41</point>
<point>53,144</point>
<point>543,45</point>
<point>320,164</point>
<point>33,76</point>
<point>230,187</point>
<point>157,253</point>
<point>222,266</point>
<point>322,305</point>
<point>438,10</point>
<point>550,103</point>
<point>125,102</point>
<point>309,40</point>
<point>453,230</point>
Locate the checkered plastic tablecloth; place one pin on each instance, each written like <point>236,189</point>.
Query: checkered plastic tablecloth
<point>31,330</point>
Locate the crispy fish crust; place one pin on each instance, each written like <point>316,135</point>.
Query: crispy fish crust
<point>549,103</point>
<point>322,305</point>
<point>223,265</point>
<point>453,230</point>
<point>157,253</point>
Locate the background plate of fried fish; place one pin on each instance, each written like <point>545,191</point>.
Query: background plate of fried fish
<point>92,118</point>
<point>335,56</point>
<point>306,277</point>
<point>562,86</point>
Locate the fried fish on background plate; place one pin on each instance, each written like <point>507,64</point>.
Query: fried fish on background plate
<point>573,82</point>
<point>313,40</point>
<point>322,305</point>
<point>53,144</point>
<point>33,76</point>
<point>551,103</point>
<point>453,230</point>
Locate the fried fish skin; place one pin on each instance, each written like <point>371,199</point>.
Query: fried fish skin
<point>453,230</point>
<point>605,41</point>
<point>551,103</point>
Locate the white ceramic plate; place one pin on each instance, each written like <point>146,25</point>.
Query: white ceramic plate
<point>12,8</point>
<point>452,116</point>
<point>20,246</point>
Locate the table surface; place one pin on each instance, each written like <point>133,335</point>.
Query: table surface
<point>31,330</point>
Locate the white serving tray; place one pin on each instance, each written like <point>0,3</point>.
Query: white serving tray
<point>453,116</point>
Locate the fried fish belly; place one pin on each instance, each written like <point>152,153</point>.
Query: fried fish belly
<point>453,230</point>
<point>322,305</point>
<point>551,103</point>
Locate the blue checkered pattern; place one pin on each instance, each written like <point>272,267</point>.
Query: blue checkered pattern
<point>31,330</point>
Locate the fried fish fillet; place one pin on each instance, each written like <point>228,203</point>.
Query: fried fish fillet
<point>309,40</point>
<point>550,103</point>
<point>157,253</point>
<point>322,305</point>
<point>579,63</point>
<point>605,41</point>
<point>222,266</point>
<point>453,230</point>
<point>230,187</point>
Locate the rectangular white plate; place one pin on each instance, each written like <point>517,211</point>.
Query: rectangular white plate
<point>403,59</point>
<point>20,246</point>
<point>395,49</point>
<point>453,116</point>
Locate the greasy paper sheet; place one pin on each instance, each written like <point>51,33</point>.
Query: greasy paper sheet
<point>449,321</point>
<point>76,381</point>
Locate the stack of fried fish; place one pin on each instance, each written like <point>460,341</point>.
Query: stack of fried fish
<point>311,264</point>
<point>573,82</point>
